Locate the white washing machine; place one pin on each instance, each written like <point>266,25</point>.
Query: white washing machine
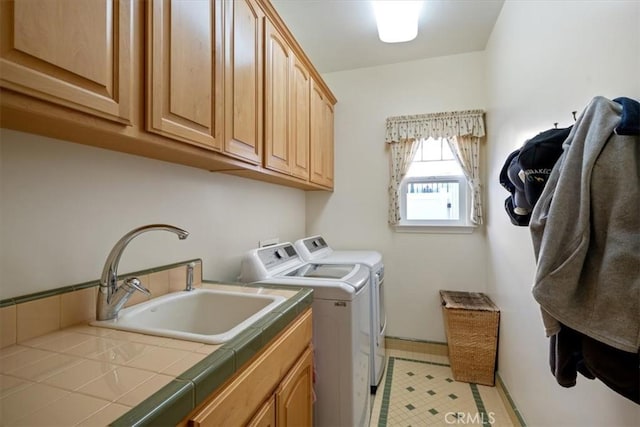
<point>341,327</point>
<point>316,249</point>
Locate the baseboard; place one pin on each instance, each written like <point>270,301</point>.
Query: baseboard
<point>514,413</point>
<point>417,346</point>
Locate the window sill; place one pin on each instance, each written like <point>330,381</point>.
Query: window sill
<point>435,229</point>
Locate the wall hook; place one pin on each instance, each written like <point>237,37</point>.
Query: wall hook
<point>574,115</point>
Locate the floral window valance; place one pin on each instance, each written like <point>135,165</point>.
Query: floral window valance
<point>463,131</point>
<point>436,125</point>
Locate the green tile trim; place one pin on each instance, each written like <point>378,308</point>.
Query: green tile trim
<point>484,417</point>
<point>66,289</point>
<point>270,326</point>
<point>7,302</point>
<point>245,346</point>
<point>43,294</point>
<point>86,285</point>
<point>168,406</point>
<point>162,267</point>
<point>386,396</point>
<point>210,373</point>
<point>426,362</point>
<point>292,307</point>
<point>288,312</point>
<point>511,402</point>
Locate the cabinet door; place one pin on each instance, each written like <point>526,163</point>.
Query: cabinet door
<point>266,415</point>
<point>299,127</point>
<point>73,53</point>
<point>321,144</point>
<point>234,404</point>
<point>294,398</point>
<point>286,108</point>
<point>329,144</point>
<point>184,70</point>
<point>244,30</point>
<point>277,154</point>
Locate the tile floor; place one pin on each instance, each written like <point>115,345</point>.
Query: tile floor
<point>418,389</point>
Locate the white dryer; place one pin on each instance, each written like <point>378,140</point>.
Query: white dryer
<point>316,249</point>
<point>341,327</point>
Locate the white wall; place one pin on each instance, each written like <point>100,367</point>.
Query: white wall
<point>544,60</point>
<point>355,214</point>
<point>65,205</point>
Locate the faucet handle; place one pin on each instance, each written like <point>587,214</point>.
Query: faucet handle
<point>189,281</point>
<point>133,284</point>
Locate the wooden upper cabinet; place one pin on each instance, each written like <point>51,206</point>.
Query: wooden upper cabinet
<point>243,82</point>
<point>277,154</point>
<point>78,54</point>
<point>287,100</point>
<point>321,144</point>
<point>329,144</point>
<point>184,70</point>
<point>300,119</point>
<point>215,84</point>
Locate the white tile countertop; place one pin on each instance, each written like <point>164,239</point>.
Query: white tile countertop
<point>84,375</point>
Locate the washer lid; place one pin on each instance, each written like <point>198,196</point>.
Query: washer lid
<point>323,271</point>
<point>355,276</point>
<point>371,259</point>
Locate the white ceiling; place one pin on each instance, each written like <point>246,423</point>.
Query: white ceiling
<point>341,35</point>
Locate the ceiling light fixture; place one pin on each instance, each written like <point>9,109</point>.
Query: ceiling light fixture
<point>397,19</point>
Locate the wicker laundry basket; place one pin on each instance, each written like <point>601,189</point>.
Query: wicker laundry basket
<point>471,322</point>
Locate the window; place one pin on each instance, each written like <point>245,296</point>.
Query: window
<point>434,192</point>
<point>405,134</point>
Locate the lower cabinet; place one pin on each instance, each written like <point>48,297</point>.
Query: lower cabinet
<point>294,398</point>
<point>266,416</point>
<point>291,405</point>
<point>274,389</point>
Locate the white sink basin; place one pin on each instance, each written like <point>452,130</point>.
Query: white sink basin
<point>203,315</point>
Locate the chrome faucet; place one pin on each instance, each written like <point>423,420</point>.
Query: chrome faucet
<point>111,297</point>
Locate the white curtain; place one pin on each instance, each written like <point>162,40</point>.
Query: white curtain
<point>463,130</point>
<point>402,153</point>
<point>466,150</point>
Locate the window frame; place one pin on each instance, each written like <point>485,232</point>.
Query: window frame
<point>461,225</point>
